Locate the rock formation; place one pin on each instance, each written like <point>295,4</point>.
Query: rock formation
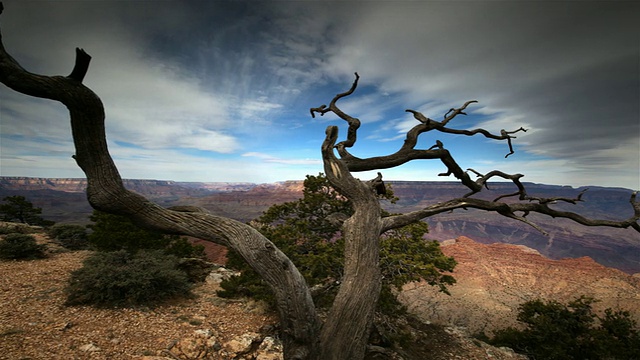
<point>493,280</point>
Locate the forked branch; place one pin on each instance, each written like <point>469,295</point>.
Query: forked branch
<point>408,151</point>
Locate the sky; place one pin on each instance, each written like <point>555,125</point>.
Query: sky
<point>220,91</point>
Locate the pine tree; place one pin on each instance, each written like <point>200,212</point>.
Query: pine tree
<point>308,232</point>
<point>18,208</point>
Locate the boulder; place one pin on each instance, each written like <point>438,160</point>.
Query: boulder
<point>242,344</point>
<point>202,344</point>
<point>270,349</point>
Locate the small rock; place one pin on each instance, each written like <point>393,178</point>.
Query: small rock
<point>204,332</point>
<point>66,326</point>
<point>90,347</point>
<point>201,345</point>
<point>221,273</point>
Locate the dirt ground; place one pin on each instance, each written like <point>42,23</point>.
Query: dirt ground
<point>35,323</point>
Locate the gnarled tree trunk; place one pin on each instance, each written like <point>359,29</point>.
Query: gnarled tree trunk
<point>345,333</point>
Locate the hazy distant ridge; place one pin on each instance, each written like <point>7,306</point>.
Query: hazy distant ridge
<point>63,200</point>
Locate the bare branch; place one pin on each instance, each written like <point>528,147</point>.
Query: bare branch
<point>524,220</point>
<point>482,181</point>
<point>452,113</point>
<point>408,152</point>
<point>378,185</point>
<point>533,204</point>
<point>81,67</point>
<point>428,124</point>
<point>522,192</point>
<point>510,210</point>
<point>354,123</point>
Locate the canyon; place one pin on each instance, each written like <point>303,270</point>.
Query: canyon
<point>63,200</point>
<point>493,280</point>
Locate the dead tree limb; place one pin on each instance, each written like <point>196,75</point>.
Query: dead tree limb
<point>408,152</point>
<point>510,210</point>
<point>105,191</point>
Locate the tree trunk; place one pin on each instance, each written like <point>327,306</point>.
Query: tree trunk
<point>345,333</point>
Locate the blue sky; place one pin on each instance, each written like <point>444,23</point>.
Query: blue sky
<point>221,91</point>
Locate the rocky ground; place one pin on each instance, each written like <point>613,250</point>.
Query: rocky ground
<point>35,324</point>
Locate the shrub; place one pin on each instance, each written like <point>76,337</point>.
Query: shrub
<point>72,237</point>
<point>120,278</point>
<point>15,228</point>
<point>115,232</point>
<point>556,331</point>
<point>21,246</point>
<point>182,248</point>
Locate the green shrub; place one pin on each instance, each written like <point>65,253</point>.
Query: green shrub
<point>618,335</point>
<point>182,248</point>
<point>72,237</point>
<point>5,229</point>
<point>16,228</point>
<point>115,232</point>
<point>21,246</point>
<point>120,278</point>
<point>555,331</point>
<point>111,232</point>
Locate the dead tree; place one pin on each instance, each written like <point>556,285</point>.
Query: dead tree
<point>344,333</point>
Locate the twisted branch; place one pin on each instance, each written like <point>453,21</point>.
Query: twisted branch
<point>106,192</point>
<point>407,151</point>
<point>510,210</point>
<point>354,123</point>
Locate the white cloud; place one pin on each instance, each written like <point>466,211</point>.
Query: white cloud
<point>150,102</point>
<point>272,159</point>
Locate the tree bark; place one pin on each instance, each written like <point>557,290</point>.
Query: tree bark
<point>345,333</point>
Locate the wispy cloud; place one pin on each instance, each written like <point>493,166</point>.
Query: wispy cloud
<point>231,83</point>
<point>272,159</point>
